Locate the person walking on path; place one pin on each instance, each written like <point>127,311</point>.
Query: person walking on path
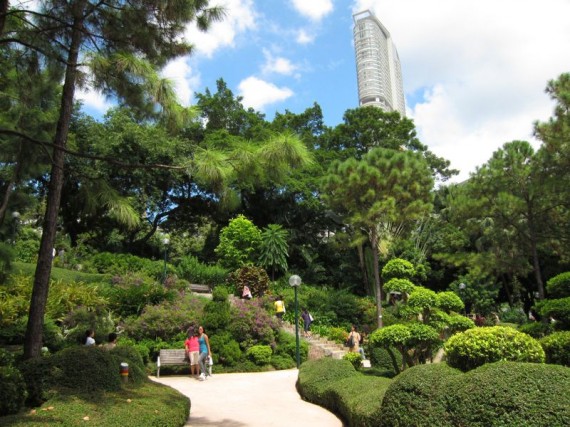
<point>192,347</point>
<point>354,338</point>
<point>279,305</point>
<point>204,343</point>
<point>307,320</point>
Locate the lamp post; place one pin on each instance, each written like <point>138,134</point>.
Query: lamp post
<point>16,218</point>
<point>462,287</point>
<point>295,282</point>
<point>166,241</point>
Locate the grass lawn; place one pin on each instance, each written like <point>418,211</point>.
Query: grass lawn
<point>151,404</point>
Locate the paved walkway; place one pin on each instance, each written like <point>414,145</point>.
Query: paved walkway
<point>265,399</point>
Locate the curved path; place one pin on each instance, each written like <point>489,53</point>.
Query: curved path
<point>265,399</point>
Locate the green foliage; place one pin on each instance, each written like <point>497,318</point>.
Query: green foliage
<point>335,385</point>
<point>6,358</point>
<point>125,264</point>
<point>239,243</point>
<point>559,309</point>
<point>418,397</point>
<point>513,314</point>
<point>421,299</point>
<point>399,285</point>
<point>508,393</point>
<point>220,294</point>
<point>559,286</point>
<point>39,374</point>
<point>191,269</point>
<point>87,369</point>
<point>557,348</point>
<point>226,350</point>
<point>12,390</point>
<point>274,248</point>
<point>255,278</point>
<point>354,358</point>
<point>166,320</point>
<point>217,315</point>
<point>475,347</point>
<point>81,319</point>
<point>449,301</point>
<point>536,329</point>
<point>260,354</point>
<point>252,324</point>
<point>398,268</point>
<point>281,362</point>
<point>130,355</point>
<point>130,294</point>
<point>381,359</point>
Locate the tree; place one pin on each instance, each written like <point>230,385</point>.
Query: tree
<point>386,186</point>
<point>274,248</point>
<point>239,243</point>
<point>132,40</point>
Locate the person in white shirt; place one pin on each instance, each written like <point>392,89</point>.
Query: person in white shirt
<point>89,340</point>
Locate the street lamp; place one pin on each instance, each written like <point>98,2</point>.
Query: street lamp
<point>16,219</point>
<point>166,241</point>
<point>295,282</point>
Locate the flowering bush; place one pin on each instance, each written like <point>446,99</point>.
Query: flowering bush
<point>251,324</point>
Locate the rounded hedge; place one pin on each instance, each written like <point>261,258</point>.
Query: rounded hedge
<point>557,348</point>
<point>475,347</point>
<point>130,355</point>
<point>12,390</point>
<point>418,397</point>
<point>449,301</point>
<point>354,358</point>
<point>559,286</point>
<point>317,376</point>
<point>398,268</point>
<point>511,394</point>
<point>399,285</point>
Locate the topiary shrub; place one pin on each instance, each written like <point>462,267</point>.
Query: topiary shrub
<point>536,329</point>
<point>260,354</point>
<point>255,278</point>
<point>382,360</point>
<point>281,362</point>
<point>398,268</point>
<point>404,286</point>
<point>475,347</point>
<point>226,350</point>
<point>220,294</point>
<point>559,286</point>
<point>559,309</point>
<point>418,397</point>
<point>449,302</point>
<point>124,353</point>
<point>12,390</point>
<point>40,375</point>
<point>510,394</point>
<point>87,369</point>
<point>354,358</point>
<point>557,348</point>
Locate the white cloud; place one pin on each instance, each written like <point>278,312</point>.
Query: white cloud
<point>313,9</point>
<point>303,37</point>
<point>240,17</point>
<point>481,66</point>
<point>184,79</point>
<point>93,100</point>
<point>258,93</point>
<point>278,65</point>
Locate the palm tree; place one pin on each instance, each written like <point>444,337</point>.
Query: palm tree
<point>274,248</point>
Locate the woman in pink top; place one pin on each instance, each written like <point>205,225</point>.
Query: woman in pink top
<point>193,350</point>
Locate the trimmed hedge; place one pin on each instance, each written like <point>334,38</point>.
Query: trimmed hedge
<point>12,390</point>
<point>511,394</point>
<point>557,348</point>
<point>559,286</point>
<point>335,385</point>
<point>418,397</point>
<point>475,347</point>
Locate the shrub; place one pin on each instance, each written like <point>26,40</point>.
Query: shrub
<point>252,324</point>
<point>87,369</point>
<point>511,394</point>
<point>475,347</point>
<point>417,397</point>
<point>239,243</point>
<point>255,278</point>
<point>6,358</point>
<point>421,300</point>
<point>536,329</point>
<point>513,314</point>
<point>449,301</point>
<point>399,285</point>
<point>191,269</point>
<point>281,362</point>
<point>217,314</point>
<point>559,286</point>
<point>557,348</point>
<point>559,309</point>
<point>398,268</point>
<point>127,354</point>
<point>226,350</point>
<point>354,358</point>
<point>259,354</point>
<point>39,374</point>
<point>220,294</point>
<point>381,359</point>
<point>12,390</point>
<point>316,377</point>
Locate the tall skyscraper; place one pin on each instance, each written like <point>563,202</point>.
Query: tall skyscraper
<point>378,69</point>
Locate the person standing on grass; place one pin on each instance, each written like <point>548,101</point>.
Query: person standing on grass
<point>192,347</point>
<point>204,343</point>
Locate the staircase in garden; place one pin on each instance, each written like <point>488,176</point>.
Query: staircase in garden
<point>318,346</point>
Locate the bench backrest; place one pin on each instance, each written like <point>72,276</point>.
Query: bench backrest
<point>172,356</point>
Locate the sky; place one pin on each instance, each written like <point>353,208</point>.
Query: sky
<point>474,71</point>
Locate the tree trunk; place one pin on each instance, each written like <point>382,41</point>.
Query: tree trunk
<point>363,270</point>
<point>10,186</point>
<point>536,263</point>
<point>33,340</point>
<point>4,5</point>
<point>374,243</point>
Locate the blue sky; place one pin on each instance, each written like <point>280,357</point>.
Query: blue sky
<point>474,71</point>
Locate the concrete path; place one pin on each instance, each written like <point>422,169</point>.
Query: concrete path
<point>265,399</point>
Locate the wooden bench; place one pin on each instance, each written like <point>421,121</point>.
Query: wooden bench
<point>204,289</point>
<point>170,357</point>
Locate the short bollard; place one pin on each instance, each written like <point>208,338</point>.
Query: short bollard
<point>125,371</point>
